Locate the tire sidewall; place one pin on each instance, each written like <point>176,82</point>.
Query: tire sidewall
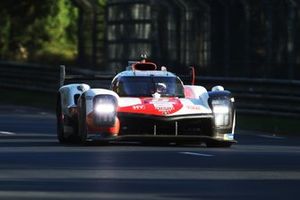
<point>82,122</point>
<point>59,121</point>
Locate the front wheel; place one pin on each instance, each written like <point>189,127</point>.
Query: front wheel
<point>59,122</point>
<point>82,129</point>
<point>60,131</point>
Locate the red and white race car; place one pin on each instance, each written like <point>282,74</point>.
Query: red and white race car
<point>146,104</point>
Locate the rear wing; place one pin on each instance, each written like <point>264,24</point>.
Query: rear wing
<point>82,76</point>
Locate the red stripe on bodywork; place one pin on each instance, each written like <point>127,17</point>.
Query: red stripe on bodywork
<point>152,106</point>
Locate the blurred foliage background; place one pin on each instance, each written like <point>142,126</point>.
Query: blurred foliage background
<point>38,31</point>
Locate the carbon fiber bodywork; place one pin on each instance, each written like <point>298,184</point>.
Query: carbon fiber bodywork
<point>137,124</point>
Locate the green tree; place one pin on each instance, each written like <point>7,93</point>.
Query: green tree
<point>40,29</point>
<point>4,33</point>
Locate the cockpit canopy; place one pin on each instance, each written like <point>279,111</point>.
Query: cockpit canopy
<point>147,86</point>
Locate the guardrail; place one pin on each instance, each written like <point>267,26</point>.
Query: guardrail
<point>260,96</point>
<point>253,96</point>
<point>29,77</point>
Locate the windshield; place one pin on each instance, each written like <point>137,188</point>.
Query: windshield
<point>148,86</point>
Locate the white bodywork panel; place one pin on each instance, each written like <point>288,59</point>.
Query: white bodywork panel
<point>67,93</point>
<point>198,92</point>
<point>129,101</point>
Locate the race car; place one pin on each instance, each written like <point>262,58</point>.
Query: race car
<point>144,103</point>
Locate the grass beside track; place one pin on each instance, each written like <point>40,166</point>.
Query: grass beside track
<point>271,124</point>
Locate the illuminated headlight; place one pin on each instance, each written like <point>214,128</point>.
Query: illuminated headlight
<point>222,112</point>
<point>105,108</point>
<point>221,109</point>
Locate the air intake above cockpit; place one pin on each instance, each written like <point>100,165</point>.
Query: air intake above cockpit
<point>144,66</point>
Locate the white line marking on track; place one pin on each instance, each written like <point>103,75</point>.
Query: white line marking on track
<point>6,133</point>
<point>196,154</point>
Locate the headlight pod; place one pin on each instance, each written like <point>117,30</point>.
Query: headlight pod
<point>222,112</point>
<point>105,110</point>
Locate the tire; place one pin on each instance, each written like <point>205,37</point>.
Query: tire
<point>59,122</point>
<point>60,132</point>
<point>82,129</point>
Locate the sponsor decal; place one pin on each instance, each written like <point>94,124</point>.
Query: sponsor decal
<point>193,107</point>
<point>138,107</point>
<point>163,105</point>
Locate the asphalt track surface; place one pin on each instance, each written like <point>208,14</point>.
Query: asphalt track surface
<point>34,166</point>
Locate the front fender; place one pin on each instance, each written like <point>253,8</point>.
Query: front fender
<point>68,95</point>
<point>89,95</point>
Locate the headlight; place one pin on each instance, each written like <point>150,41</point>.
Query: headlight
<point>222,111</point>
<point>105,110</point>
